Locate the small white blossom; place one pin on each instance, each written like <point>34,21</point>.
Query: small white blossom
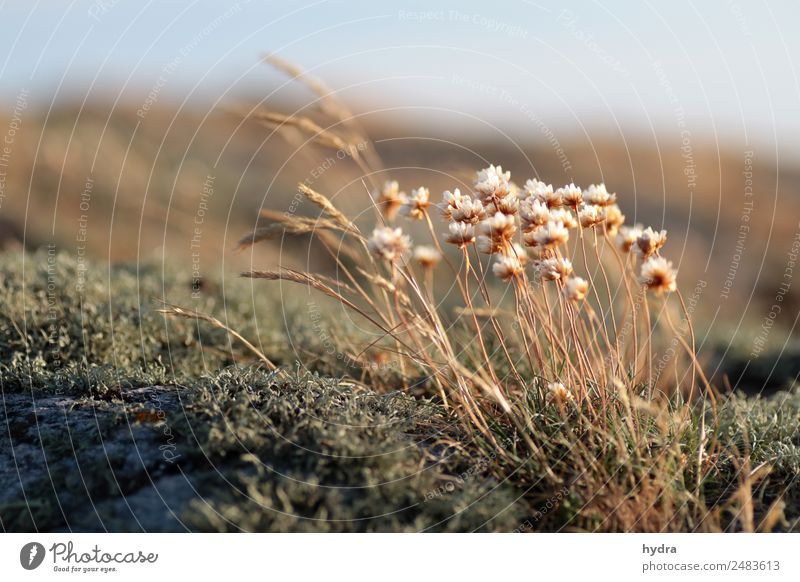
<point>390,199</point>
<point>658,275</point>
<point>388,243</point>
<point>543,192</point>
<point>627,237</point>
<point>589,215</point>
<point>533,213</point>
<point>507,267</point>
<point>564,215</point>
<point>416,205</point>
<point>558,392</point>
<point>576,289</point>
<point>492,182</point>
<point>551,234</point>
<point>554,269</point>
<point>597,195</point>
<point>571,195</point>
<point>650,242</point>
<point>461,234</point>
<point>427,256</point>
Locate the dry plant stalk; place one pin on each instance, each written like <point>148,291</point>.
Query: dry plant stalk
<point>171,310</point>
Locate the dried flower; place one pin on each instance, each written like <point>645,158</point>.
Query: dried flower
<point>468,210</point>
<point>492,182</point>
<point>461,234</point>
<point>499,227</point>
<point>551,234</point>
<point>543,192</point>
<point>533,213</point>
<point>554,269</point>
<point>390,199</point>
<point>427,256</point>
<point>508,204</point>
<point>650,242</point>
<point>417,204</point>
<point>519,252</point>
<point>571,195</point>
<point>658,275</point>
<point>590,215</point>
<point>597,195</point>
<point>628,236</point>
<point>507,267</point>
<point>576,289</point>
<point>450,202</point>
<point>614,219</point>
<point>389,243</point>
<point>564,215</point>
<point>558,392</point>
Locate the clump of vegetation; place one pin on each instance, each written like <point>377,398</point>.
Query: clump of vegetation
<point>586,382</point>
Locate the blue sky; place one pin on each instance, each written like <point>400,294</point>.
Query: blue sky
<point>725,67</point>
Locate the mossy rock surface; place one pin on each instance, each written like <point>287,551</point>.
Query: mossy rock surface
<point>121,420</point>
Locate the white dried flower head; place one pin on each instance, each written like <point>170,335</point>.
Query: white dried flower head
<point>427,256</point>
<point>571,195</point>
<point>658,275</point>
<point>417,204</point>
<point>627,237</point>
<point>508,204</point>
<point>469,211</point>
<point>450,201</point>
<point>461,234</point>
<point>554,269</point>
<point>507,267</point>
<point>551,234</point>
<point>564,215</point>
<point>558,392</point>
<point>533,213</point>
<point>590,215</point>
<point>390,199</point>
<point>498,227</point>
<point>492,182</point>
<point>576,289</point>
<point>543,192</point>
<point>598,195</point>
<point>650,242</point>
<point>614,219</point>
<point>388,243</point>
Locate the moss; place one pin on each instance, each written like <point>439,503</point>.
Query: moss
<point>126,421</point>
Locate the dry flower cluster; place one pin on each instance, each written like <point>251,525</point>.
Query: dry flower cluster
<point>580,331</point>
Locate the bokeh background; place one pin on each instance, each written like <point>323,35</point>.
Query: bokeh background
<point>122,139</point>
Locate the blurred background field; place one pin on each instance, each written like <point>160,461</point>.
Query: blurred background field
<point>182,185</point>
